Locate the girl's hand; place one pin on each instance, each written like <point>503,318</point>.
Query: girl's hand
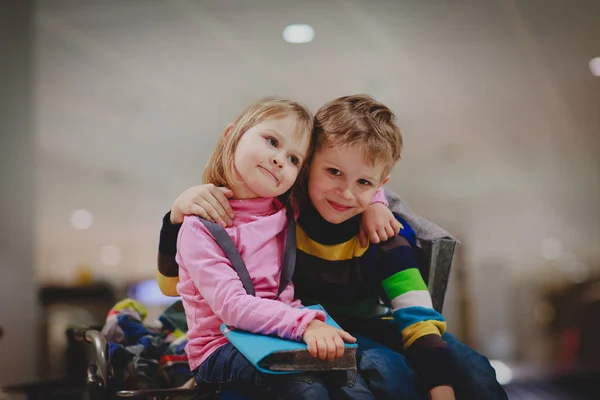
<point>324,341</point>
<point>378,224</point>
<point>207,201</point>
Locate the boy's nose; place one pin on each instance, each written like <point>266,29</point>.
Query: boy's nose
<point>346,193</point>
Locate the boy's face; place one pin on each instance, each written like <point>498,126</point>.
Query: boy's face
<point>341,184</point>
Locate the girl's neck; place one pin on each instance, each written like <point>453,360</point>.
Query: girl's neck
<point>256,206</point>
<point>241,192</point>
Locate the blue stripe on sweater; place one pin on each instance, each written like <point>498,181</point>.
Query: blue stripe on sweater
<point>408,316</point>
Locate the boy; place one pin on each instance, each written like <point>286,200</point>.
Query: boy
<point>357,143</point>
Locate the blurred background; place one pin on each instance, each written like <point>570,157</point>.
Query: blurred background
<point>110,110</point>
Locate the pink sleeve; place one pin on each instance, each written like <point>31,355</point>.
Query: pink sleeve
<point>219,284</point>
<point>379,197</point>
<point>288,293</point>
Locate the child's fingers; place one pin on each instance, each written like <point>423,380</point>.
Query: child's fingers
<point>219,206</point>
<point>200,211</point>
<point>339,345</point>
<point>214,205</point>
<point>389,231</point>
<point>363,237</point>
<point>396,226</point>
<point>322,348</point>
<point>210,210</point>
<point>373,236</point>
<point>331,349</point>
<point>311,343</point>
<point>381,232</point>
<point>222,194</point>
<point>226,191</point>
<point>348,338</point>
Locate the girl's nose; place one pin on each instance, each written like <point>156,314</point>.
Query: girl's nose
<point>277,162</point>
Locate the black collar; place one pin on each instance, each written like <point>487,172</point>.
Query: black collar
<point>325,232</point>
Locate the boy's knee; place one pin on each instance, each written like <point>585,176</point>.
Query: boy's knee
<point>388,374</point>
<point>309,391</point>
<point>466,359</point>
<point>473,372</point>
<point>384,362</point>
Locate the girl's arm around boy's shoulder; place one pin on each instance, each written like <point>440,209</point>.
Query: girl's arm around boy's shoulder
<point>214,277</point>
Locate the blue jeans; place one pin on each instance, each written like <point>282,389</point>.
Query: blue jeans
<point>228,367</point>
<point>389,374</point>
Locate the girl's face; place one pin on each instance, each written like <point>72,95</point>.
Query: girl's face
<point>269,157</point>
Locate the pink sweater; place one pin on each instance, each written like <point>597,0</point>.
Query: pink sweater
<point>212,292</point>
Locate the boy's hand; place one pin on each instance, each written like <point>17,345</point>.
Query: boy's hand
<point>442,393</point>
<point>324,341</point>
<point>378,224</point>
<point>207,201</point>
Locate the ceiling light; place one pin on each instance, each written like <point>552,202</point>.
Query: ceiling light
<point>595,66</point>
<point>81,219</point>
<point>298,33</point>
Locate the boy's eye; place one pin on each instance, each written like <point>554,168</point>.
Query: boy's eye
<point>294,160</point>
<point>335,172</point>
<point>364,182</point>
<point>272,141</point>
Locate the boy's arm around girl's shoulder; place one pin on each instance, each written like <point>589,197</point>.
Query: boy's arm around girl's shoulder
<point>219,284</point>
<point>167,269</point>
<point>167,241</point>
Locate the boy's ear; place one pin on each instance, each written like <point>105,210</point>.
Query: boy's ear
<point>385,180</point>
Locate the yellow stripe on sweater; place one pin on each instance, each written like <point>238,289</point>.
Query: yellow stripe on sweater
<point>420,329</point>
<point>336,252</point>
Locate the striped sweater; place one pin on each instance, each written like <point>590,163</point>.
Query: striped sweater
<point>374,281</point>
<point>352,281</point>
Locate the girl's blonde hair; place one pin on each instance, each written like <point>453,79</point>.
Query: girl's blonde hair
<point>220,169</point>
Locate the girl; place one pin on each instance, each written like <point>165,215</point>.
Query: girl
<point>259,157</point>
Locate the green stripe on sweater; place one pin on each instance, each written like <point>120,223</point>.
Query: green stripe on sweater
<point>403,282</point>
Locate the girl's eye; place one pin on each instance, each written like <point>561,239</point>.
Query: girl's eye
<point>364,182</point>
<point>294,160</point>
<point>334,172</point>
<point>272,141</point>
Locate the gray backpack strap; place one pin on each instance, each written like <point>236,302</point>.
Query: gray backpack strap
<point>224,241</point>
<point>289,255</point>
<point>231,252</point>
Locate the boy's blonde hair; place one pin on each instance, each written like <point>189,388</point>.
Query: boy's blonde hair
<point>360,120</point>
<point>220,169</point>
